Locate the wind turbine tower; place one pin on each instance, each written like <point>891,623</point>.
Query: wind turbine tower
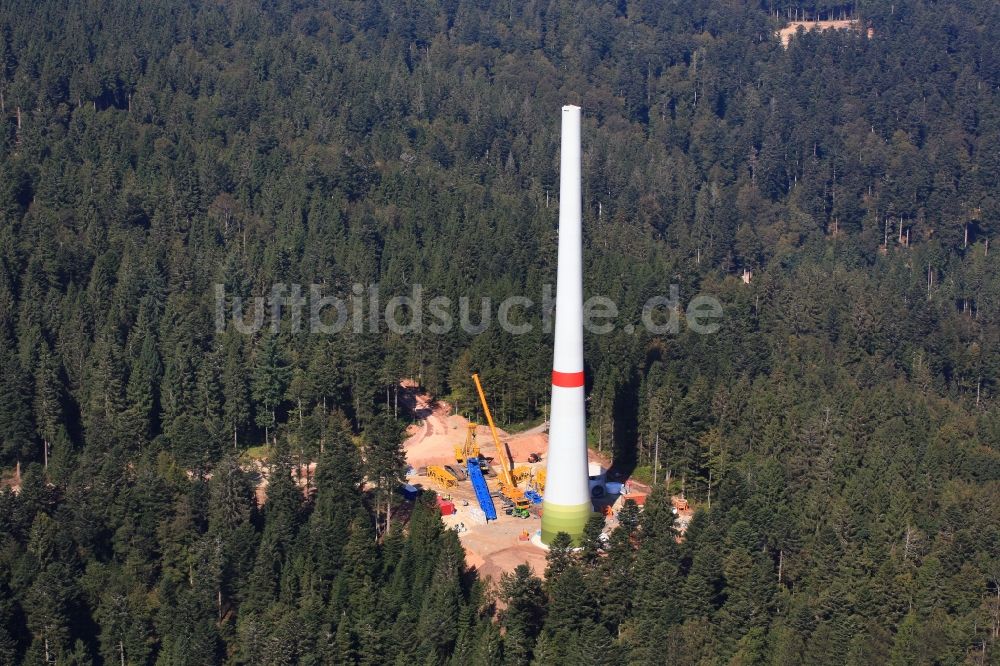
<point>567,506</point>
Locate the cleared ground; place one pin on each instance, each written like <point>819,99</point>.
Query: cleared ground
<point>491,548</point>
<point>786,33</point>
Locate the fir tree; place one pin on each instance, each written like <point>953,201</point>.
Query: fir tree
<point>269,382</point>
<point>524,600</point>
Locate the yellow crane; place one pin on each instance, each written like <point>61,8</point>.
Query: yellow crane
<point>508,486</point>
<point>470,449</point>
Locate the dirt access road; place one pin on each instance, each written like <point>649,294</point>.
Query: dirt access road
<point>433,441</point>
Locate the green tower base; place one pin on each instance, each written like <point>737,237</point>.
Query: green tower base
<point>558,518</point>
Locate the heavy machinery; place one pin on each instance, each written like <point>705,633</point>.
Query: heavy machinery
<point>519,504</point>
<point>521,474</point>
<point>442,476</point>
<point>482,490</point>
<point>540,481</point>
<point>470,449</point>
<point>535,486</point>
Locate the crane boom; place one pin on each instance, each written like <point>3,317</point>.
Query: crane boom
<point>505,476</point>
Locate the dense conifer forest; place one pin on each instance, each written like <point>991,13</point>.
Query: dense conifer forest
<point>839,435</point>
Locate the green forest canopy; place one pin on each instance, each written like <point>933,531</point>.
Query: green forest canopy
<point>843,423</point>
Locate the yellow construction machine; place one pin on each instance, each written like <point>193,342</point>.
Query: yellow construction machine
<point>540,480</point>
<point>521,474</point>
<point>442,476</point>
<point>508,486</point>
<point>470,449</point>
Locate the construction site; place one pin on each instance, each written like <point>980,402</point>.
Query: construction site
<point>439,450</point>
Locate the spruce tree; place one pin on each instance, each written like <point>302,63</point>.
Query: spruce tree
<point>521,619</point>
<point>16,429</point>
<point>337,504</point>
<point>591,544</point>
<point>141,393</point>
<point>385,463</point>
<point>270,378</point>
<point>559,557</point>
<point>236,397</point>
<point>48,403</point>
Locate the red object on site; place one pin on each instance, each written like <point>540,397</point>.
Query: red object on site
<point>638,498</point>
<point>447,508</point>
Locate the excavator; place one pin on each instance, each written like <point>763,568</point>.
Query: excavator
<point>520,504</point>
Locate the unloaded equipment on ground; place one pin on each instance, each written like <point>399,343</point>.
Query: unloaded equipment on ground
<point>442,476</point>
<point>519,504</point>
<point>482,492</point>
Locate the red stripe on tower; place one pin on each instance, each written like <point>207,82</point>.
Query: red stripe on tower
<point>567,379</point>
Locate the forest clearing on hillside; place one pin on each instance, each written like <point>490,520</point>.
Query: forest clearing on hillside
<point>839,436</point>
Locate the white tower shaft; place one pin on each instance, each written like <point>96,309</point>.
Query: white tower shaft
<point>567,506</point>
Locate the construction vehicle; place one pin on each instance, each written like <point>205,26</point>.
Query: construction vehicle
<point>540,481</point>
<point>521,474</point>
<point>470,449</point>
<point>520,505</point>
<point>535,486</point>
<point>442,476</point>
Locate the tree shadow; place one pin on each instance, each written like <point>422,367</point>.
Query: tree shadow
<point>409,404</point>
